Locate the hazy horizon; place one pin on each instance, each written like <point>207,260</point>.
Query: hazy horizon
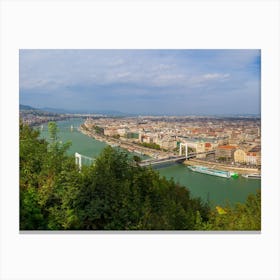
<point>159,82</point>
<point>118,113</point>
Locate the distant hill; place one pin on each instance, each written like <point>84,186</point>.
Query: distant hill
<point>111,113</point>
<point>69,111</point>
<point>55,110</point>
<point>45,110</point>
<point>26,107</point>
<point>32,110</point>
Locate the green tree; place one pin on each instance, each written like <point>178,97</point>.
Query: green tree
<point>53,131</point>
<point>119,195</point>
<point>48,177</point>
<point>243,216</point>
<point>150,145</point>
<point>136,159</point>
<point>32,157</point>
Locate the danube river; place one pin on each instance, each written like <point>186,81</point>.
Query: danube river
<point>217,190</point>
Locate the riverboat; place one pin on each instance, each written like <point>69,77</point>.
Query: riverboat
<point>252,176</point>
<point>213,172</point>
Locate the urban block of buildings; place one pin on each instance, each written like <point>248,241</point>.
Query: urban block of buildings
<point>235,140</point>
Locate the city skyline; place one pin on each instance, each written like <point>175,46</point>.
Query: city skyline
<point>172,82</point>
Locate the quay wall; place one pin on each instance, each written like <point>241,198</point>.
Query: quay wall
<point>241,170</point>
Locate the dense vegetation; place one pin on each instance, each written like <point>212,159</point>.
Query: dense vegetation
<point>245,216</point>
<point>98,130</point>
<point>150,145</point>
<point>112,194</point>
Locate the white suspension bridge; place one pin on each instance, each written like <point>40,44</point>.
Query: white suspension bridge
<point>79,158</point>
<point>82,158</point>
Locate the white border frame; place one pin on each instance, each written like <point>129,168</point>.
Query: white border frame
<point>156,24</point>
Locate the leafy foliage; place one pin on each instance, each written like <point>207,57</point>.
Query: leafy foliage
<point>150,145</point>
<point>241,217</point>
<point>99,130</point>
<point>47,178</point>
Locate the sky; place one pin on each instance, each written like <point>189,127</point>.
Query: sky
<point>163,82</point>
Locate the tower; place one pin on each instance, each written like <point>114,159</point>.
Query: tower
<point>186,149</point>
<point>78,160</point>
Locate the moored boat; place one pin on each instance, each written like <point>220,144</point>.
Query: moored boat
<point>213,172</point>
<point>252,176</point>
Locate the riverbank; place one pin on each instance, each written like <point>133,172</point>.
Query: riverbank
<point>134,148</point>
<point>125,144</point>
<point>220,166</point>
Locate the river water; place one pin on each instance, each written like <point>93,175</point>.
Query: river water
<point>218,191</point>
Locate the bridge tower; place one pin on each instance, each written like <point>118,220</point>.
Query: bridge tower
<point>78,160</point>
<point>186,147</point>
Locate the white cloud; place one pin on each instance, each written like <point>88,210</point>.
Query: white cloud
<point>215,76</point>
<point>123,75</point>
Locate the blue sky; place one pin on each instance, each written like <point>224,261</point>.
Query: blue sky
<point>174,82</point>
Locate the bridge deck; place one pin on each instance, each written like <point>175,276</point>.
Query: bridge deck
<point>171,159</point>
<point>161,161</point>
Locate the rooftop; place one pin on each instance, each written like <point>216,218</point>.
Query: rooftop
<point>227,147</point>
